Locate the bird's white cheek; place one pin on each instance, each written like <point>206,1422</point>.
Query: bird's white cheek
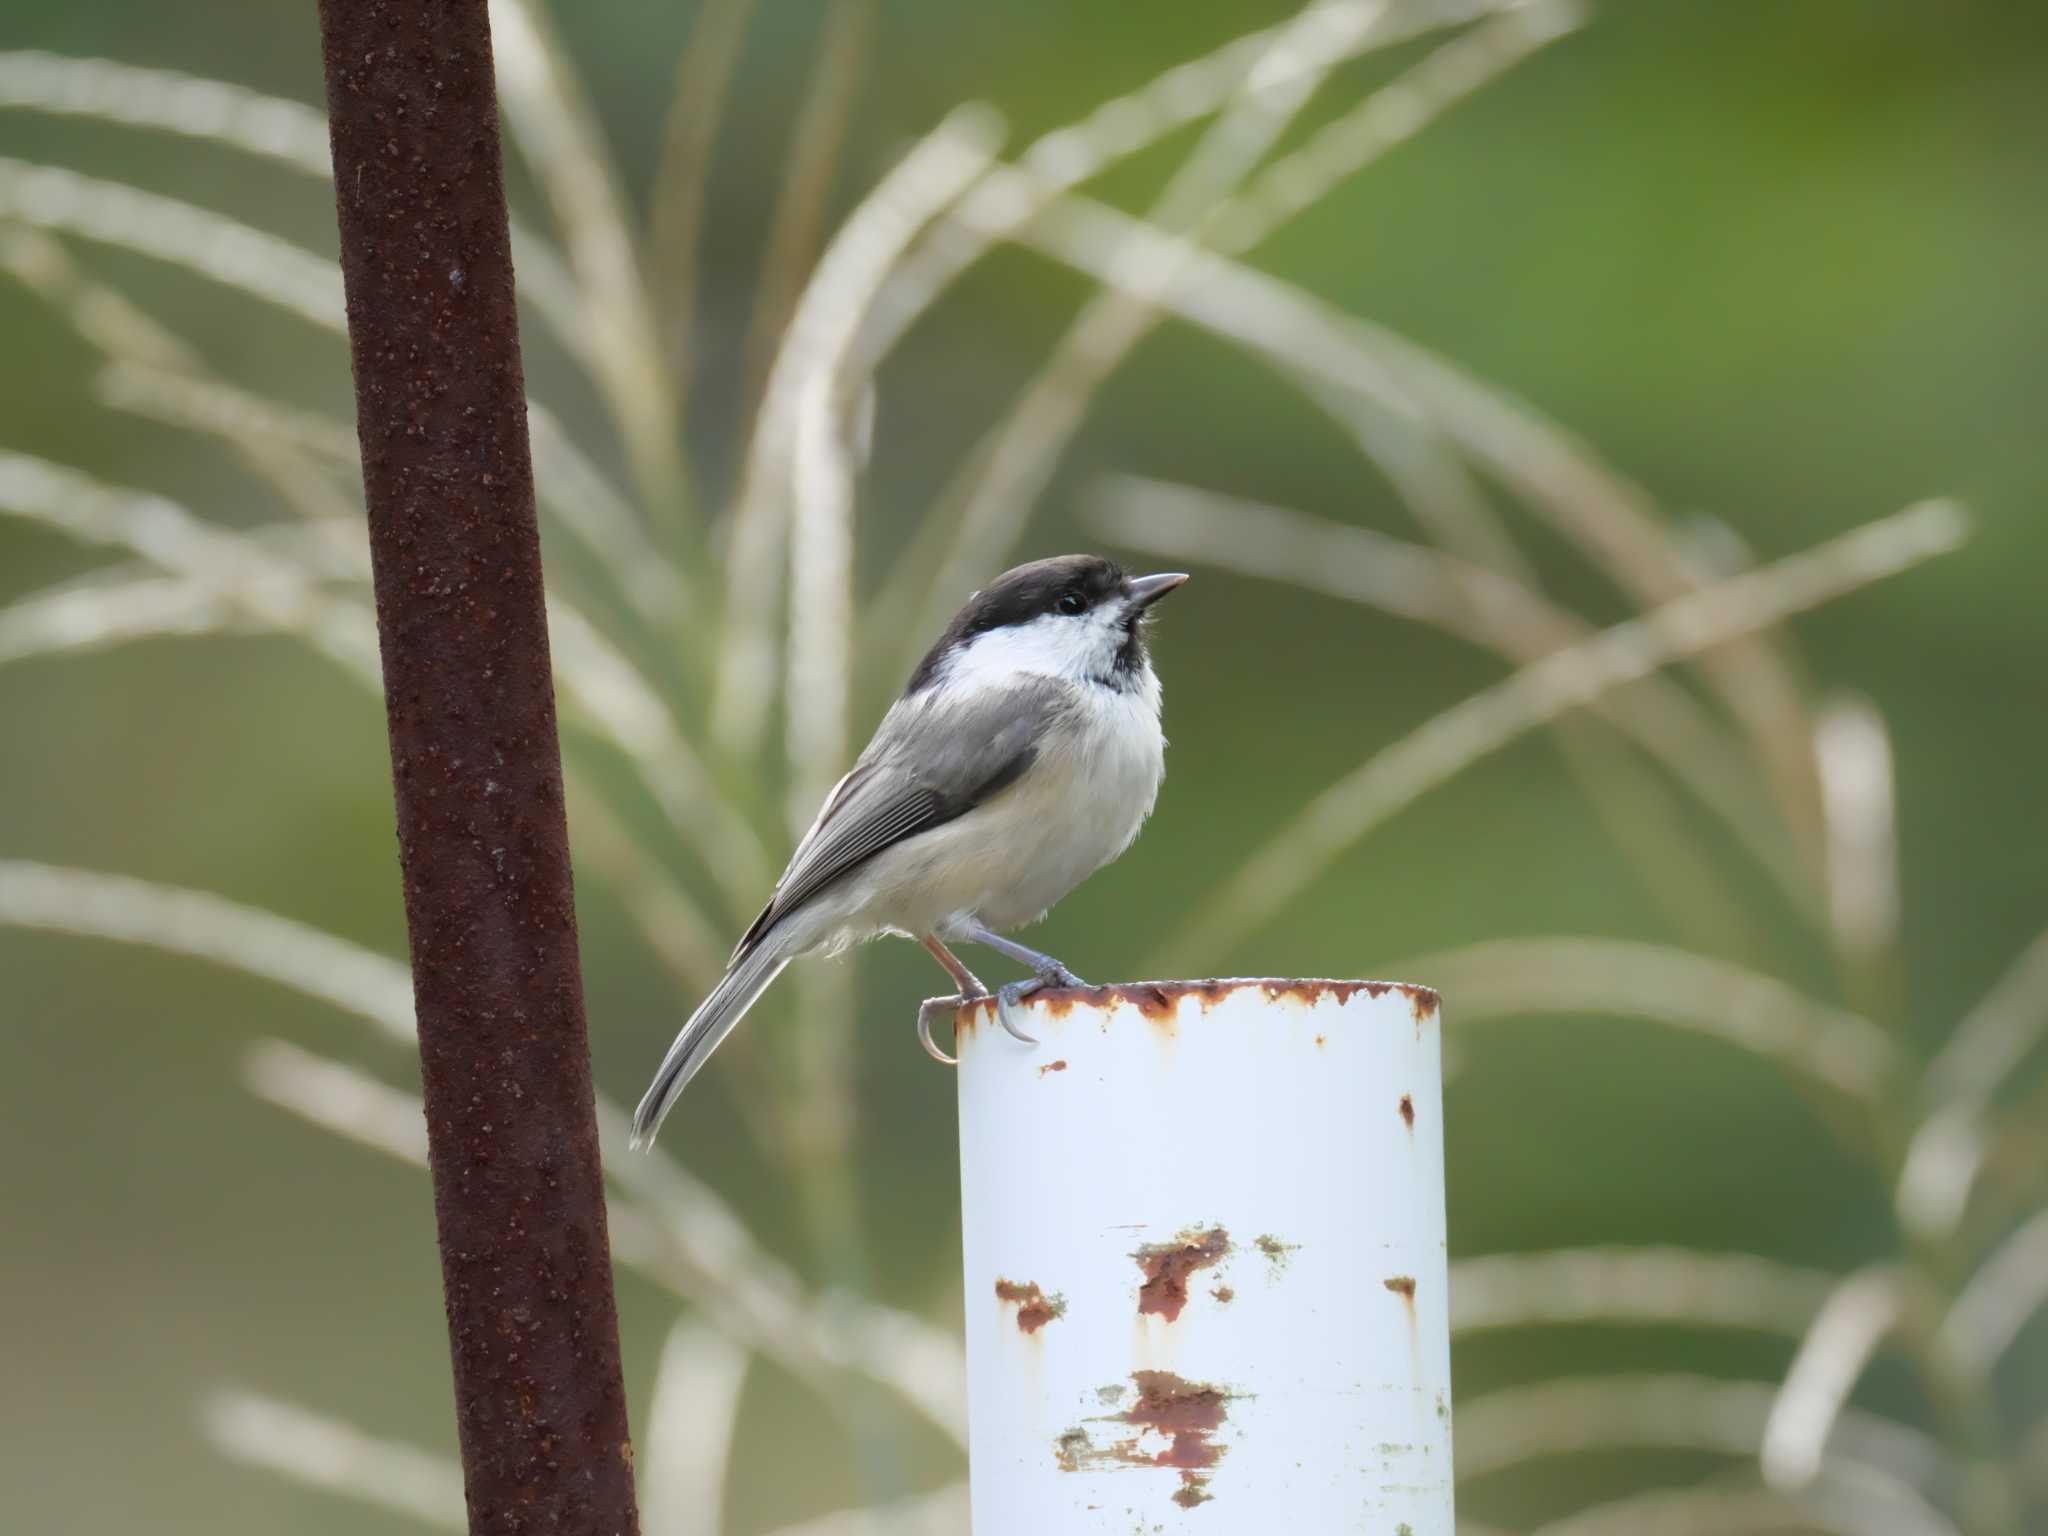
<point>1075,649</point>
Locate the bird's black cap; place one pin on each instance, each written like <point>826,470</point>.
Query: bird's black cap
<point>1022,594</point>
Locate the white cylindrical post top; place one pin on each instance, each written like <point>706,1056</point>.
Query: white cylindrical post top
<point>1205,1266</point>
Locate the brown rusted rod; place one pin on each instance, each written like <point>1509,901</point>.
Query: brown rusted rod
<point>482,835</point>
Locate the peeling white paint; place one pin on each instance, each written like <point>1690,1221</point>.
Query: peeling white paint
<point>1205,1264</point>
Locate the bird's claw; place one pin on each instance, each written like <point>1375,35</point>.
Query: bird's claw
<point>1008,996</point>
<point>1011,994</point>
<point>930,1009</point>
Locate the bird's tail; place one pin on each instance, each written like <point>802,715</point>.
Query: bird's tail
<point>745,980</point>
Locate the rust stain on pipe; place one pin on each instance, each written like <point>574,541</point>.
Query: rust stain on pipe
<point>1408,1111</point>
<point>1160,1001</point>
<point>1184,1414</point>
<point>1034,1308</point>
<point>476,767</point>
<point>1276,1252</point>
<point>1167,1266</point>
<point>1187,1413</point>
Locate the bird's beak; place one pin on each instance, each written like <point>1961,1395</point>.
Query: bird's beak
<point>1147,590</point>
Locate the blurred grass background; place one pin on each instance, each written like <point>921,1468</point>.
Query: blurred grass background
<point>1779,261</point>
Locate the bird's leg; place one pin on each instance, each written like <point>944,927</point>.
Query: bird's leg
<point>970,987</point>
<point>1045,972</point>
<point>969,984</point>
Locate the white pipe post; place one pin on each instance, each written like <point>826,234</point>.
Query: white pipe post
<point>1205,1266</point>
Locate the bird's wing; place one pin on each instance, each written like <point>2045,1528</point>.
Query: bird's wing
<point>931,760</point>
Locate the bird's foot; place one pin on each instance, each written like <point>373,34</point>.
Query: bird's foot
<point>935,1007</point>
<point>1011,995</point>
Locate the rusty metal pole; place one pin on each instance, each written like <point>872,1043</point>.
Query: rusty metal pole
<point>482,833</point>
<point>1206,1284</point>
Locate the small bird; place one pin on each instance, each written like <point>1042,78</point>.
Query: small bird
<point>1023,755</point>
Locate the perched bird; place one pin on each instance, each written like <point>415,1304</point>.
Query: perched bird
<point>1023,756</point>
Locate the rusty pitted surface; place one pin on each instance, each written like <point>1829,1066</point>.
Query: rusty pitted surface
<point>1184,1411</point>
<point>1408,1111</point>
<point>482,836</point>
<point>1167,1267</point>
<point>1034,1308</point>
<point>1402,1286</point>
<point>1184,1415</point>
<point>1162,1001</point>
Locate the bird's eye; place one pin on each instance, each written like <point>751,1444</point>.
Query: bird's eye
<point>1072,602</point>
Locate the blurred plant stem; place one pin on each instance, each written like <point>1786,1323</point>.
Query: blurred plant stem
<point>1988,1496</point>
<point>797,227</point>
<point>549,116</point>
<point>820,1130</point>
<point>704,72</point>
